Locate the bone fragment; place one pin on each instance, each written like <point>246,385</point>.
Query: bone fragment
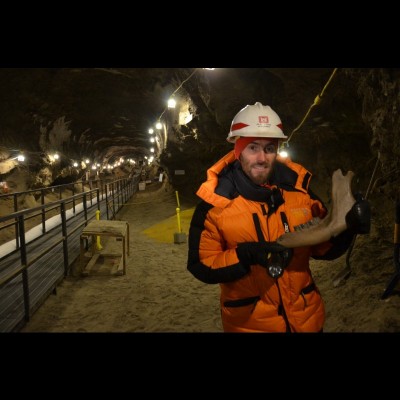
<point>333,224</point>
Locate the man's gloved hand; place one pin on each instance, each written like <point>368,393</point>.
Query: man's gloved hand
<point>257,252</point>
<point>278,262</point>
<point>358,219</point>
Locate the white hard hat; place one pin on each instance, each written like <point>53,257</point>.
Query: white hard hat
<point>258,121</point>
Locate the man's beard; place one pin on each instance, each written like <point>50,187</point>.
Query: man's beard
<point>260,177</point>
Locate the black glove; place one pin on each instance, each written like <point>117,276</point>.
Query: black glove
<point>257,252</point>
<point>358,219</point>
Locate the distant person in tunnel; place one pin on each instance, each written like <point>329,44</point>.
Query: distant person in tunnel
<point>251,197</point>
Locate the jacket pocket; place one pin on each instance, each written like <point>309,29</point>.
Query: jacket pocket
<point>242,302</point>
<point>308,289</point>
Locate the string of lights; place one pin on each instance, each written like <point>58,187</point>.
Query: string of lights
<point>87,164</point>
<point>170,104</point>
<point>175,91</point>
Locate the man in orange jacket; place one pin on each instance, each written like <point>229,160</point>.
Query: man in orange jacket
<point>251,197</point>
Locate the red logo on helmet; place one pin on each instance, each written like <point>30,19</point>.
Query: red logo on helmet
<point>263,120</point>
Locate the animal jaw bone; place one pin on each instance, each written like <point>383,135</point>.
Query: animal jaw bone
<point>334,223</point>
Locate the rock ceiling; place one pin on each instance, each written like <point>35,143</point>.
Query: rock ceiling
<point>105,113</point>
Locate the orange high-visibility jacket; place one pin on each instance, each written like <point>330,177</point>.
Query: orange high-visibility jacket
<point>251,300</point>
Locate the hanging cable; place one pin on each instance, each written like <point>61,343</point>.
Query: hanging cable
<point>317,100</point>
<point>165,109</point>
<point>184,81</point>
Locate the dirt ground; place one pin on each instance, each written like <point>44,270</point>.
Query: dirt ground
<point>158,294</point>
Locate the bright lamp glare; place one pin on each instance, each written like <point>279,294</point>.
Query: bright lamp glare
<point>21,158</point>
<point>151,131</point>
<point>158,125</point>
<point>283,153</point>
<point>171,104</point>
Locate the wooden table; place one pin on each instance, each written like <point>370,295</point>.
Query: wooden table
<point>118,229</point>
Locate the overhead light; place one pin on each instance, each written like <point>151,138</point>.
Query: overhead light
<point>210,69</point>
<point>171,104</point>
<point>284,150</point>
<point>56,156</point>
<point>283,153</point>
<point>75,164</point>
<point>21,158</point>
<point>158,125</point>
<point>152,140</point>
<point>152,150</point>
<point>87,161</point>
<point>151,131</point>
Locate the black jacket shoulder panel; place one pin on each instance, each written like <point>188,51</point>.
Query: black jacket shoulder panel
<point>283,176</point>
<point>226,185</point>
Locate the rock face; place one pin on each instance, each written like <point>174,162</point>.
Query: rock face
<point>105,114</point>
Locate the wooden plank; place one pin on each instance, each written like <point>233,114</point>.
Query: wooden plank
<point>86,270</point>
<point>106,227</point>
<point>104,264</point>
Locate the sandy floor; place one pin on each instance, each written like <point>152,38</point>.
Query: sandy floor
<point>156,295</point>
<point>159,295</point>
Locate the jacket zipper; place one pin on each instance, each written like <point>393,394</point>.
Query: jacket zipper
<point>281,309</point>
